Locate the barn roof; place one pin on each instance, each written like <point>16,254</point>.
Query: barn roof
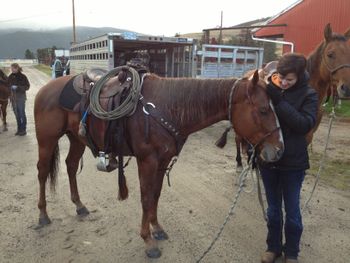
<point>271,19</point>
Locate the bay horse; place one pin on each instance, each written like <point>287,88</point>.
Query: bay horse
<point>329,69</point>
<point>4,97</point>
<point>191,104</point>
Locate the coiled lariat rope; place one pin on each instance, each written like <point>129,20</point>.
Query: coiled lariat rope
<point>129,104</point>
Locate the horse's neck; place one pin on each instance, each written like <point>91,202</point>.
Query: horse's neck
<point>319,79</point>
<point>199,105</point>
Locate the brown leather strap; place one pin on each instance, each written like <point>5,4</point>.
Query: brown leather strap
<point>150,110</point>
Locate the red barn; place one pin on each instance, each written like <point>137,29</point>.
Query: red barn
<point>303,22</point>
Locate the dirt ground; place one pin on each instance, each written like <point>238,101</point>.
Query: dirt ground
<point>191,210</point>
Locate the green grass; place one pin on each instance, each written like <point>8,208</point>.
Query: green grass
<point>335,172</point>
<point>342,111</point>
<point>44,68</point>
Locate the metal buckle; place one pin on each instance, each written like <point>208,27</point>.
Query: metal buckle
<point>150,104</point>
<point>103,162</point>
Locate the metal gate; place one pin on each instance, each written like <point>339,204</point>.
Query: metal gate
<point>221,61</point>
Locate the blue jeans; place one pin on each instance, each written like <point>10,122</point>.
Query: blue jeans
<point>284,185</point>
<point>18,106</point>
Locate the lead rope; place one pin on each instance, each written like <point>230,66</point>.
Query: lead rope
<point>261,201</point>
<point>243,176</point>
<point>322,160</point>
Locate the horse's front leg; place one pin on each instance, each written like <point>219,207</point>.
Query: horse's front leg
<point>76,151</point>
<point>151,181</point>
<point>3,110</point>
<point>157,230</point>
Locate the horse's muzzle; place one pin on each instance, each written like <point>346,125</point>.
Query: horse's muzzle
<point>344,91</point>
<point>270,153</point>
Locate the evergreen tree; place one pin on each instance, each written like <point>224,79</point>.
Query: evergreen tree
<point>29,54</point>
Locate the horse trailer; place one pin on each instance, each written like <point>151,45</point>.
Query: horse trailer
<point>222,61</point>
<point>164,56</point>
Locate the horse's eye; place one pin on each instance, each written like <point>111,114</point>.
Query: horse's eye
<point>330,55</point>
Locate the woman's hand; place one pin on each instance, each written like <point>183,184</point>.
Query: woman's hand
<point>274,92</point>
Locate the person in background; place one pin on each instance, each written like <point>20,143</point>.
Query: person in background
<point>57,68</point>
<point>295,104</point>
<point>67,68</point>
<point>19,85</point>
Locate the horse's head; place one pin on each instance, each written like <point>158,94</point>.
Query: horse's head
<point>336,57</point>
<point>254,118</point>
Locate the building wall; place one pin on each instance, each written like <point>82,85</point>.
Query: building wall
<point>306,22</point>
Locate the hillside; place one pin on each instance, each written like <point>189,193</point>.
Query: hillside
<point>14,42</point>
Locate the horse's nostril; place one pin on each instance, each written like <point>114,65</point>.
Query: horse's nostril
<point>279,153</point>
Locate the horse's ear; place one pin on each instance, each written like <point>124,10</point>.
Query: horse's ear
<point>347,34</point>
<point>255,77</point>
<point>328,32</point>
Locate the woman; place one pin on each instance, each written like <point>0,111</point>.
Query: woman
<point>296,107</point>
<point>19,85</point>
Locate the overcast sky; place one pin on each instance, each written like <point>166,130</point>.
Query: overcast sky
<point>155,17</point>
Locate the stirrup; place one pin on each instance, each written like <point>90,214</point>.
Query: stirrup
<point>105,164</point>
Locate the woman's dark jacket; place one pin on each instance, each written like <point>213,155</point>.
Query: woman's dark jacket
<point>22,83</point>
<point>297,112</point>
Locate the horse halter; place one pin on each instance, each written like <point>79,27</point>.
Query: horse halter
<point>268,134</point>
<point>335,69</point>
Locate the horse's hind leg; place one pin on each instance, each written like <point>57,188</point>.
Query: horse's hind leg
<point>3,110</point>
<point>76,151</point>
<point>239,166</point>
<point>47,165</point>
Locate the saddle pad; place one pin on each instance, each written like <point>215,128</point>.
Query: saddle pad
<point>69,97</point>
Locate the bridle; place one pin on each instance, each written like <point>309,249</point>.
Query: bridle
<point>268,134</point>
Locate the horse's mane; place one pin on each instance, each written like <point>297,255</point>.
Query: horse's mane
<point>186,99</point>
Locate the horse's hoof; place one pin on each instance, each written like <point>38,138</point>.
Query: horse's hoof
<point>153,252</point>
<point>43,221</point>
<point>83,211</point>
<point>160,235</point>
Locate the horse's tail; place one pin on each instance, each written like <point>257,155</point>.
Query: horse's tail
<point>123,189</point>
<point>223,139</point>
<point>54,167</point>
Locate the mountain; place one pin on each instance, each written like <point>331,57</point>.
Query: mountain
<point>14,42</point>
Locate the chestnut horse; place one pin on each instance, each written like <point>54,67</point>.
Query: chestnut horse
<point>329,68</point>
<point>191,104</point>
<point>4,97</point>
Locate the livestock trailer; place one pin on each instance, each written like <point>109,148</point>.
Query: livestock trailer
<point>166,56</point>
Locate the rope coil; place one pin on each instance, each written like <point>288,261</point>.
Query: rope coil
<point>127,107</point>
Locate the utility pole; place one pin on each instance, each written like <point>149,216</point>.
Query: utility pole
<point>220,35</point>
<point>74,36</point>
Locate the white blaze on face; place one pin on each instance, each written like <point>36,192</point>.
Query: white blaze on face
<point>277,124</point>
